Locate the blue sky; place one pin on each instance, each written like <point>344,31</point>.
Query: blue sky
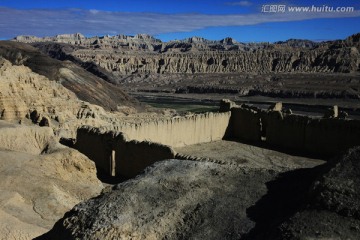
<point>178,19</point>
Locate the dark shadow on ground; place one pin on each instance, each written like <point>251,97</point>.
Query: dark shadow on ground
<point>69,142</point>
<point>265,145</point>
<point>103,176</point>
<point>107,179</point>
<point>287,194</point>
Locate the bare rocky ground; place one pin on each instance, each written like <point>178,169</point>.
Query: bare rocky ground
<point>178,199</point>
<point>174,199</point>
<point>332,209</point>
<point>248,156</point>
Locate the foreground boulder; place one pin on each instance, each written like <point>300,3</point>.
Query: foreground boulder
<point>173,199</point>
<point>177,199</point>
<point>333,211</point>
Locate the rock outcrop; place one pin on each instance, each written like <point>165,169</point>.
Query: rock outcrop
<point>261,61</point>
<point>333,210</point>
<point>87,86</point>
<point>179,199</point>
<point>31,98</point>
<point>339,189</point>
<point>174,199</point>
<point>29,139</point>
<point>37,189</point>
<point>23,92</point>
<point>28,97</point>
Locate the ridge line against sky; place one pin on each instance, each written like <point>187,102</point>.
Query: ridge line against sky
<point>214,20</point>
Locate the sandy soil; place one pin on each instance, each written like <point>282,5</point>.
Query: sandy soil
<point>248,155</point>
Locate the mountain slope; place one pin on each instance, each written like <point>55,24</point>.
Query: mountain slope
<point>85,85</point>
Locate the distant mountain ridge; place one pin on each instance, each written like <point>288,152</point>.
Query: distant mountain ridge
<point>150,43</point>
<point>144,55</point>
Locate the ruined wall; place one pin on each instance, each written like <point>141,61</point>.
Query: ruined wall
<point>134,156</point>
<point>150,141</point>
<point>96,145</point>
<point>325,137</point>
<point>180,131</point>
<point>245,124</point>
<point>114,152</point>
<point>131,157</point>
<point>331,136</point>
<point>302,134</point>
<point>286,131</point>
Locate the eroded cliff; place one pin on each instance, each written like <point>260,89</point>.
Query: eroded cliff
<point>143,54</point>
<point>86,86</point>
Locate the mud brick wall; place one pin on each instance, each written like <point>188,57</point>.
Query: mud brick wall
<point>180,131</point>
<point>245,124</point>
<point>115,155</point>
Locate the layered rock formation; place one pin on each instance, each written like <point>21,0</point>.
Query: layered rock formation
<point>137,42</point>
<point>32,98</point>
<point>86,86</point>
<point>143,55</point>
<point>23,92</point>
<point>260,61</point>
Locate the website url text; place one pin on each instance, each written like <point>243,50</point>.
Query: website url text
<point>313,8</point>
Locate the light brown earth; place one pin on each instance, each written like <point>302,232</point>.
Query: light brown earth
<point>236,153</point>
<point>37,189</point>
<point>30,97</point>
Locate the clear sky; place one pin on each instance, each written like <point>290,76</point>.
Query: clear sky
<point>244,20</point>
